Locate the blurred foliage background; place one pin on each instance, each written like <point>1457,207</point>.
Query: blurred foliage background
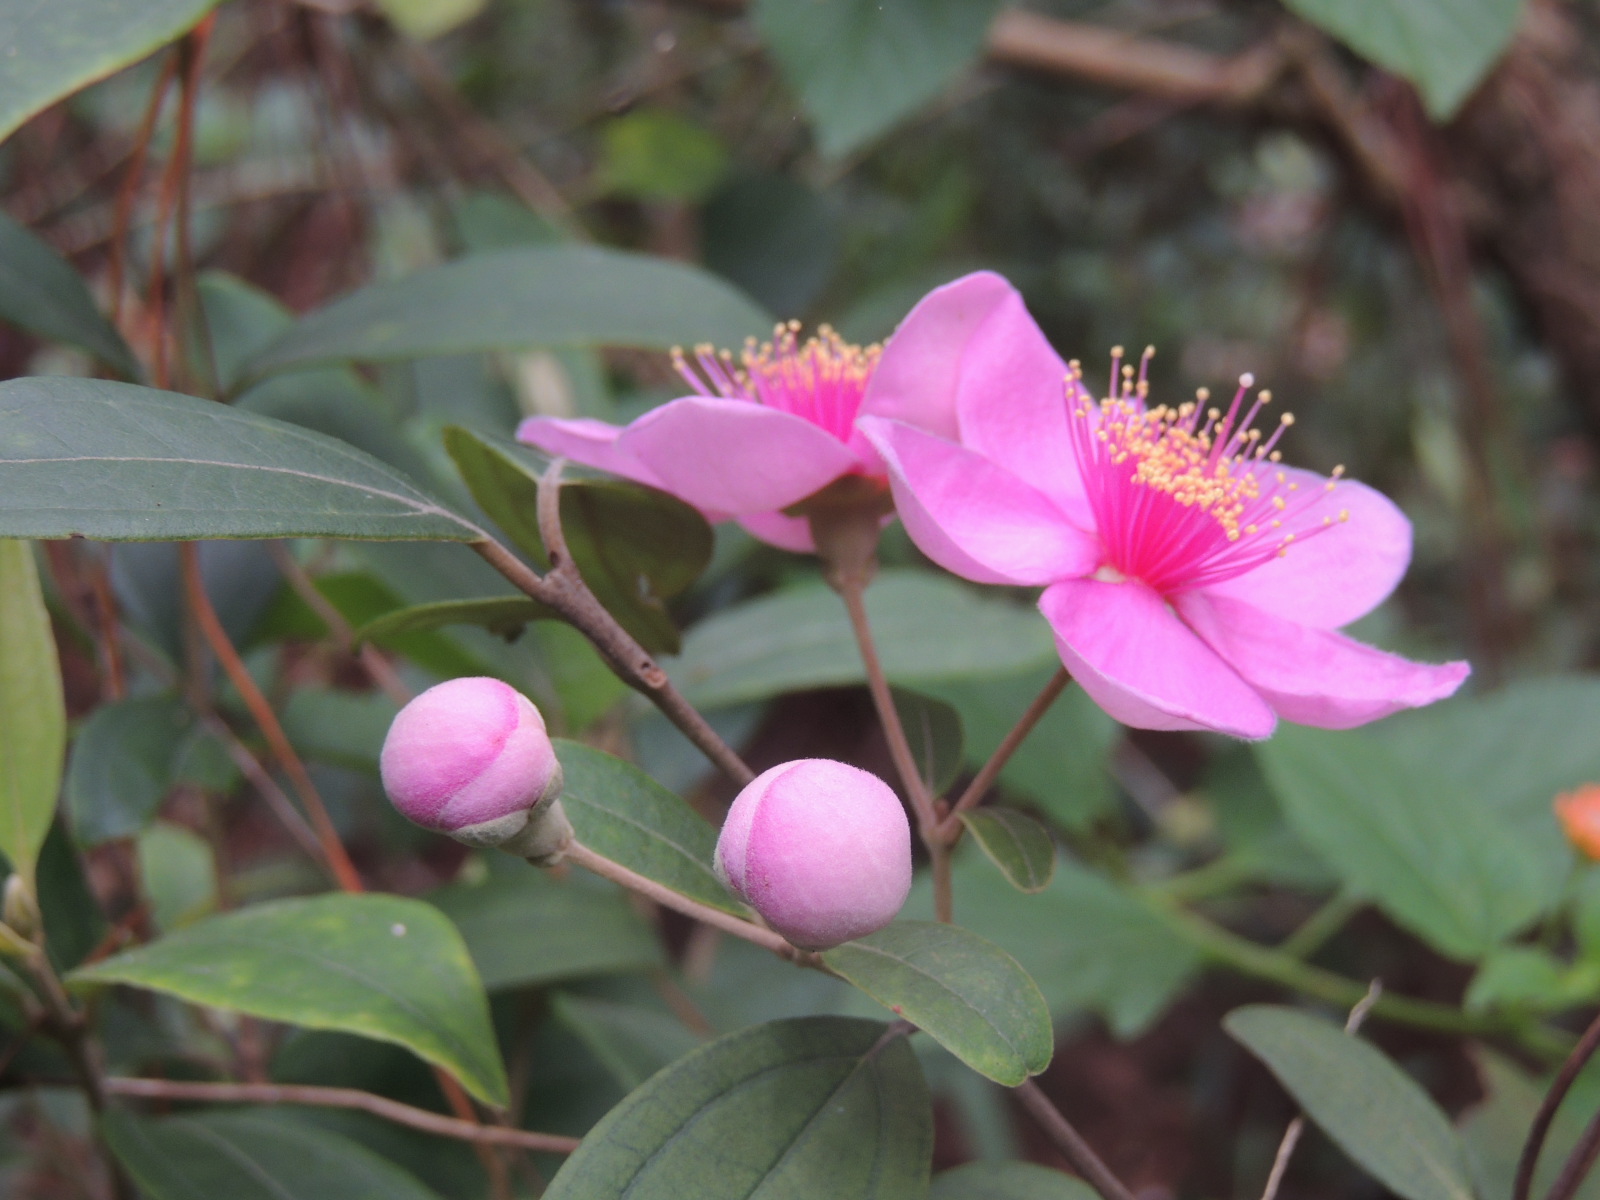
<point>1403,244</point>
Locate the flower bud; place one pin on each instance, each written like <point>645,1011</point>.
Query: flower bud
<point>1579,814</point>
<point>470,758</point>
<point>820,849</point>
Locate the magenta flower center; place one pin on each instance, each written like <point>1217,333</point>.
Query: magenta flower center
<point>821,380</point>
<point>1188,496</point>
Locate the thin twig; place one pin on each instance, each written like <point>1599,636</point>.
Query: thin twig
<point>1070,1142</point>
<point>588,859</point>
<point>853,592</point>
<point>205,615</point>
<point>565,591</point>
<point>277,799</point>
<point>122,214</point>
<point>1540,1129</point>
<point>334,1097</point>
<point>984,780</point>
<point>1297,1127</point>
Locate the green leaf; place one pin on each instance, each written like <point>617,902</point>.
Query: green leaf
<point>818,1106</point>
<point>655,154</point>
<point>1377,1113</point>
<point>619,811</point>
<point>934,730</point>
<point>861,66</point>
<point>524,926</point>
<point>384,967</point>
<point>122,765</point>
<point>522,298</point>
<point>1447,867</point>
<point>250,1156</point>
<point>1008,1181</point>
<point>179,874</point>
<point>41,293</point>
<point>967,994</point>
<point>632,1041</point>
<point>1086,942</point>
<point>1445,47</point>
<point>927,628</point>
<point>1530,979</point>
<point>1061,767</point>
<point>33,716</point>
<point>505,616</point>
<point>88,458</point>
<point>424,19</point>
<point>634,546</point>
<point>1016,843</point>
<point>52,50</point>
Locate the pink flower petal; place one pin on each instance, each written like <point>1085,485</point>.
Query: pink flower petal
<point>1012,406</point>
<point>1315,676</point>
<point>733,456</point>
<point>915,380</point>
<point>587,441</point>
<point>786,533</point>
<point>975,518</point>
<point>1337,575</point>
<point>1141,664</point>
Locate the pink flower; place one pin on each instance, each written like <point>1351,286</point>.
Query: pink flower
<point>820,849</point>
<point>1191,580</point>
<point>762,433</point>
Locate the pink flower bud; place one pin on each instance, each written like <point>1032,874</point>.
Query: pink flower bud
<point>470,758</point>
<point>820,849</point>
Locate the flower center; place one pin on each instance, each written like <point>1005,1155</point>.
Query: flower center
<point>1187,496</point>
<point>821,380</point>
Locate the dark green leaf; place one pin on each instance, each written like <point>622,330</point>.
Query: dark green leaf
<point>179,874</point>
<point>84,457</point>
<point>927,628</point>
<point>535,296</point>
<point>1015,843</point>
<point>1007,1181</point>
<point>632,1041</point>
<point>1377,1113</point>
<point>934,730</point>
<point>1444,47</point>
<point>524,926</point>
<point>1531,979</point>
<point>250,1156</point>
<point>813,1107</point>
<point>967,994</point>
<point>52,50</point>
<point>381,966</point>
<point>504,616</point>
<point>241,320</point>
<point>1086,942</point>
<point>41,293</point>
<point>1440,862</point>
<point>33,716</point>
<point>122,765</point>
<point>346,729</point>
<point>860,66</point>
<point>619,811</point>
<point>635,546</point>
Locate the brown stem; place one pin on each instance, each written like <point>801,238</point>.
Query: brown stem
<point>377,666</point>
<point>205,616</point>
<point>122,216</point>
<point>564,590</point>
<point>950,828</point>
<point>335,1097</point>
<point>944,904</point>
<point>588,859</point>
<point>173,196</point>
<point>494,1166</point>
<point>1577,1167</point>
<point>853,592</point>
<point>1070,1142</point>
<point>1540,1129</point>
